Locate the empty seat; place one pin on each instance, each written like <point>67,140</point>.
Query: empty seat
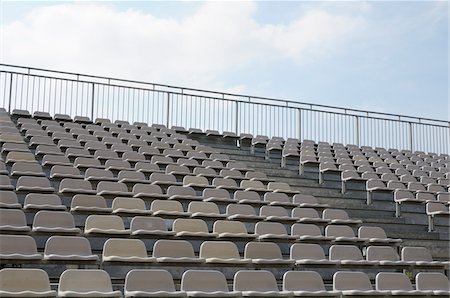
<point>374,235</point>
<point>420,256</point>
<point>436,209</point>
<point>187,227</point>
<point>309,254</point>
<point>242,212</point>
<point>113,189</point>
<point>265,253</point>
<point>78,186</point>
<point>385,255</point>
<point>395,283</point>
<point>231,229</point>
<point>168,208</point>
<point>89,203</point>
<point>206,283</point>
<point>348,255</point>
<point>37,283</point>
<point>175,251</point>
<point>51,160</point>
<point>353,284</point>
<point>148,191</point>
<point>308,215</point>
<point>132,177</point>
<point>277,213</point>
<point>8,199</point>
<point>281,187</point>
<point>278,199</point>
<point>338,216</point>
<point>254,283</point>
<point>54,222</point>
<point>221,252</point>
<point>105,224</point>
<point>342,234</point>
<point>150,283</point>
<point>18,156</point>
<point>308,233</point>
<point>306,283</point>
<point>5,183</point>
<point>13,220</point>
<point>34,184</point>
<point>272,231</point>
<point>434,282</point>
<point>43,201</point>
<point>94,174</point>
<point>58,171</point>
<point>216,195</point>
<point>18,247</point>
<point>149,226</point>
<point>205,210</point>
<point>125,205</point>
<point>182,193</point>
<point>26,169</point>
<point>307,201</point>
<point>125,250</point>
<point>68,248</point>
<point>86,283</point>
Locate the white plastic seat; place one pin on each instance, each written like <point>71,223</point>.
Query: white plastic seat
<point>86,283</point>
<point>68,248</point>
<point>433,282</point>
<point>221,252</point>
<point>125,250</point>
<point>18,248</point>
<point>206,283</point>
<point>395,283</point>
<point>265,253</point>
<point>46,221</point>
<point>104,224</point>
<point>355,284</point>
<point>150,283</point>
<point>37,283</point>
<point>305,284</point>
<point>257,283</point>
<point>175,251</point>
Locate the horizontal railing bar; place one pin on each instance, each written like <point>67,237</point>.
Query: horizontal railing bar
<point>286,102</point>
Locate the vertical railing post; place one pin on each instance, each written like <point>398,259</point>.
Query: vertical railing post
<point>357,132</point>
<point>411,145</point>
<point>168,109</point>
<point>299,124</point>
<point>92,101</point>
<point>237,119</point>
<point>10,92</point>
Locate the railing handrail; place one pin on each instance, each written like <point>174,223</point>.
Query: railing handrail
<point>183,89</point>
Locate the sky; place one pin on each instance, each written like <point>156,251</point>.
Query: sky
<point>386,56</point>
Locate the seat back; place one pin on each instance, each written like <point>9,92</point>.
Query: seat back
<point>262,250</point>
<point>173,248</point>
<point>17,244</point>
<point>204,280</point>
<point>104,222</point>
<point>303,281</point>
<point>189,225</point>
<point>84,280</point>
<point>426,281</point>
<point>339,231</point>
<point>275,228</point>
<point>313,251</point>
<point>255,280</point>
<point>345,252</point>
<point>128,204</point>
<point>124,248</point>
<point>54,219</point>
<point>415,253</point>
<point>149,280</point>
<point>147,223</point>
<point>300,229</point>
<point>13,280</point>
<point>219,249</point>
<point>346,280</point>
<point>371,232</point>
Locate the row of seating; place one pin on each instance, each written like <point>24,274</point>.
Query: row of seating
<point>21,248</point>
<point>212,283</point>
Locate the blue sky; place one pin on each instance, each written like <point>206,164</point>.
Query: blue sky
<point>388,56</point>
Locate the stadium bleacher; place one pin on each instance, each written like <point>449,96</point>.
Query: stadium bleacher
<point>110,209</point>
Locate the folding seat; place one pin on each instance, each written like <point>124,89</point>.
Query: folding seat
<point>34,184</point>
<point>436,188</point>
<point>258,176</point>
<point>213,164</point>
<point>17,248</point>
<point>253,185</point>
<point>86,283</point>
<point>207,210</point>
<point>105,224</point>
<point>150,283</point>
<point>14,147</point>
<point>113,189</point>
<point>18,156</point>
<point>219,157</point>
<point>125,250</point>
<point>54,222</point>
<point>43,201</point>
<point>146,226</point>
<point>206,283</point>
<point>11,138</point>
<point>306,284</point>
<point>277,213</point>
<point>435,209</point>
<point>51,160</point>
<point>68,248</point>
<point>425,197</point>
<point>272,231</point>
<point>177,170</point>
<point>242,212</point>
<point>164,179</point>
<point>278,199</point>
<point>181,193</point>
<point>77,186</point>
<point>309,215</point>
<point>281,187</point>
<point>221,252</point>
<point>258,283</point>
<point>147,168</point>
<point>148,191</point>
<point>37,283</point>
<point>94,146</point>
<point>342,234</point>
<point>377,185</point>
<point>198,182</point>
<point>249,197</point>
<point>308,201</point>
<point>5,183</point>
<point>349,255</point>
<point>385,255</point>
<point>217,195</point>
<point>376,235</point>
<point>8,200</point>
<point>175,251</point>
<point>402,196</point>
<point>168,208</point>
<point>265,253</point>
<point>349,176</point>
<point>42,150</point>
<point>338,216</point>
<point>13,221</point>
<point>233,174</point>
<point>197,155</point>
<point>443,198</point>
<point>354,284</point>
<point>420,256</point>
<point>186,227</point>
<point>309,233</point>
<point>204,172</point>
<point>231,229</point>
<point>395,283</point>
<point>310,254</point>
<point>87,162</point>
<point>98,175</point>
<point>433,282</point>
<point>129,206</point>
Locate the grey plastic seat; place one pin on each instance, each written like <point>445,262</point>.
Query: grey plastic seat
<point>13,220</point>
<point>257,283</point>
<point>205,210</point>
<point>342,234</point>
<point>51,160</point>
<point>105,224</point>
<point>127,206</point>
<point>150,283</point>
<point>385,255</point>
<point>94,174</point>
<point>5,183</point>
<point>249,197</point>
<point>59,171</point>
<point>231,229</point>
<point>68,248</point>
<point>376,235</point>
<point>278,199</point>
<point>339,216</point>
<point>147,226</point>
<point>77,186</point>
<point>277,214</point>
<point>27,169</point>
<point>105,188</point>
<point>307,201</point>
<point>206,283</point>
<point>217,195</point>
<point>89,204</point>
<point>272,231</point>
<point>395,283</point>
<point>420,256</point>
<point>18,248</point>
<point>354,284</point>
<point>309,254</point>
<point>86,283</point>
<point>43,201</point>
<point>433,282</point>
<point>37,283</point>
<point>34,184</point>
<point>189,227</point>
<point>309,233</point>
<point>242,212</point>
<point>125,250</point>
<point>168,208</point>
<point>181,193</point>
<point>221,252</point>
<point>306,284</point>
<point>175,251</point>
<point>308,215</point>
<point>8,200</point>
<point>54,222</point>
<point>148,191</point>
<point>265,253</point>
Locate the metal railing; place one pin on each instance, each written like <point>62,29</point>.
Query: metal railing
<point>74,94</point>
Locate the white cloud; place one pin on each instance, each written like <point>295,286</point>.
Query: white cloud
<point>195,50</point>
